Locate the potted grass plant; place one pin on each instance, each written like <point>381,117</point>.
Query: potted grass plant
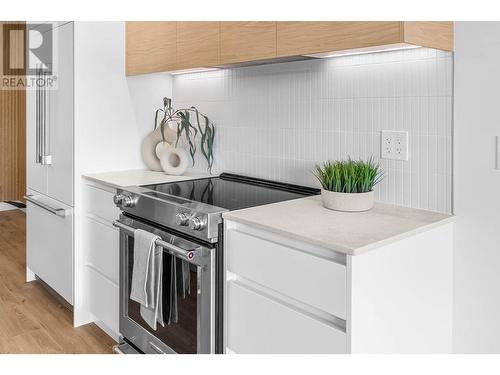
<point>347,185</point>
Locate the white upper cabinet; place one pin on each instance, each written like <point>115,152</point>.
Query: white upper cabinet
<point>36,173</point>
<point>50,122</point>
<point>60,119</point>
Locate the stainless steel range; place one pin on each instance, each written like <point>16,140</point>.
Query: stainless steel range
<point>187,216</point>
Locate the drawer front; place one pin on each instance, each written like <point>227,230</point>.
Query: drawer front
<point>261,325</point>
<point>310,279</point>
<point>102,298</point>
<point>103,248</point>
<point>49,246</point>
<point>99,202</point>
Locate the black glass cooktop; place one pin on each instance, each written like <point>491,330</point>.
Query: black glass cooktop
<point>233,192</point>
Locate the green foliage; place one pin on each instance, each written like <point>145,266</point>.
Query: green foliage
<point>185,128</point>
<point>349,176</point>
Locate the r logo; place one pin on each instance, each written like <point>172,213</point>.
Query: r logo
<point>27,47</point>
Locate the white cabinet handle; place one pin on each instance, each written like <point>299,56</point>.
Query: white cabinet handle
<point>56,211</point>
<point>38,111</point>
<point>46,158</point>
<point>42,157</point>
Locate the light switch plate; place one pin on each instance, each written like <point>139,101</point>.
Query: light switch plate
<point>394,145</point>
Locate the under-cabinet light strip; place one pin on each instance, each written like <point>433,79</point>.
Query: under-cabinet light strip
<point>360,51</point>
<point>194,70</point>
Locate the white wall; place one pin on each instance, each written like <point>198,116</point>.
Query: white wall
<point>146,95</point>
<point>476,188</point>
<point>113,113</point>
<point>277,121</point>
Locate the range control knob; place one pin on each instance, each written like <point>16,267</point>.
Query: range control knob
<point>128,201</point>
<point>195,223</point>
<point>118,199</point>
<point>182,219</point>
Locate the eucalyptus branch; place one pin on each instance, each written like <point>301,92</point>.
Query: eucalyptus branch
<point>184,127</point>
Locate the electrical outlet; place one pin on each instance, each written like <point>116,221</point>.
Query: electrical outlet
<point>394,145</point>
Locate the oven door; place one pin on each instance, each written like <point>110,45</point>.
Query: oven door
<point>193,332</point>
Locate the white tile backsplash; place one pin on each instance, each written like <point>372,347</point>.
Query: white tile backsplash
<point>277,121</point>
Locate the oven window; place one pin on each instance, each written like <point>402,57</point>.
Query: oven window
<point>180,303</point>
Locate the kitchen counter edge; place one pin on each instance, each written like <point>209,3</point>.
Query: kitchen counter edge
<point>138,177</point>
<point>238,216</point>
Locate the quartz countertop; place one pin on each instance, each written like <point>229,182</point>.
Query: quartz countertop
<point>138,177</point>
<point>351,233</point>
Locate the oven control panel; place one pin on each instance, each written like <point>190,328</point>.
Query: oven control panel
<point>192,221</point>
<point>189,217</point>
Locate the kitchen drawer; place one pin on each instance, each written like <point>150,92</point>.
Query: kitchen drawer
<point>49,244</point>
<point>310,279</point>
<point>99,202</point>
<point>262,325</point>
<point>102,298</point>
<point>102,248</point>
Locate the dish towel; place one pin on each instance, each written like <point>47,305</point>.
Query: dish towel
<point>154,314</point>
<point>186,279</point>
<point>174,315</point>
<point>146,287</point>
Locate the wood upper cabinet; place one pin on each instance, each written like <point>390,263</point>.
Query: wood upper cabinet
<point>150,47</point>
<point>301,38</point>
<point>197,44</point>
<point>429,34</point>
<point>168,46</point>
<point>247,41</point>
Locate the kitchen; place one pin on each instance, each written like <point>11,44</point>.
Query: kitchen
<point>206,141</point>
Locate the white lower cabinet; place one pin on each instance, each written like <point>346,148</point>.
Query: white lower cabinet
<point>260,324</point>
<point>102,298</point>
<point>289,271</point>
<point>280,297</point>
<point>287,296</point>
<point>99,202</point>
<point>103,248</point>
<point>49,247</point>
<point>101,257</point>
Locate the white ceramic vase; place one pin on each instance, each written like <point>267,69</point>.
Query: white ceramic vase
<point>148,147</point>
<point>174,160</point>
<point>350,202</point>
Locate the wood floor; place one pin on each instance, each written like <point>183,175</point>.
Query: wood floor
<point>31,319</point>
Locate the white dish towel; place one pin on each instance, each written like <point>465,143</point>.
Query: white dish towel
<point>146,287</point>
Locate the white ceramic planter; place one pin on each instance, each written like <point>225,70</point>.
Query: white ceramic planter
<point>351,202</point>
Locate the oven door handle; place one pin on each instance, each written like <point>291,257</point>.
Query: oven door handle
<point>188,255</point>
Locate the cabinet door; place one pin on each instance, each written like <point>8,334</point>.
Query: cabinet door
<point>36,173</point>
<point>49,244</point>
<point>259,324</point>
<point>150,47</point>
<point>313,280</point>
<point>247,41</point>
<point>102,298</point>
<point>197,44</point>
<point>60,119</point>
<point>300,38</point>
